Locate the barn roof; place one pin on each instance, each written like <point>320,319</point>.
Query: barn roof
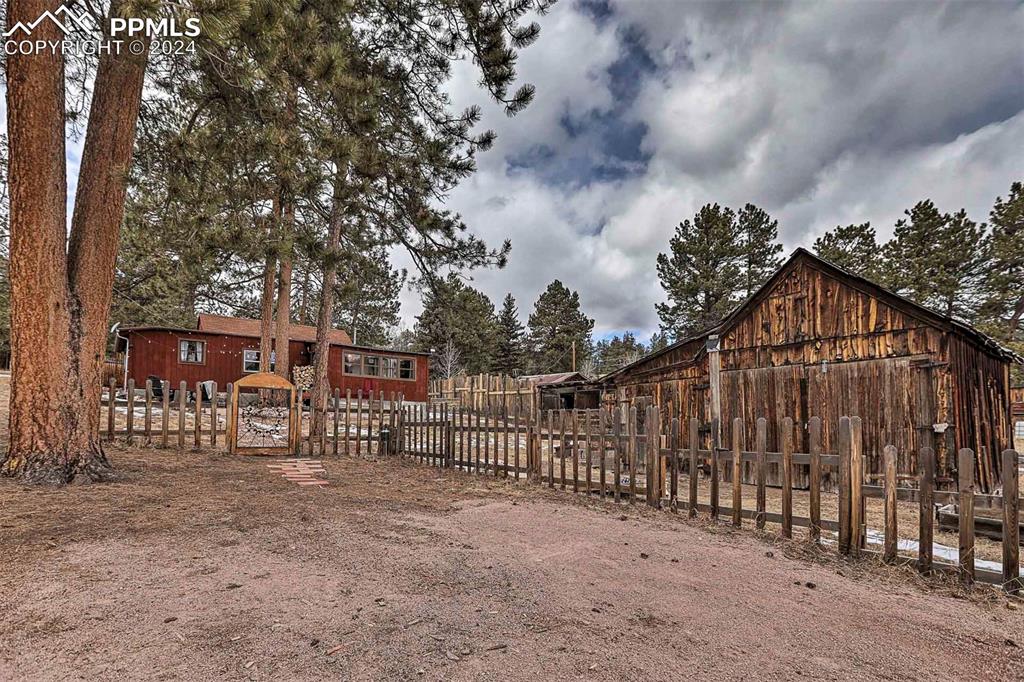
<point>240,326</point>
<point>902,303</point>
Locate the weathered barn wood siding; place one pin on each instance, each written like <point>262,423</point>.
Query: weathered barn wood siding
<point>980,399</point>
<point>817,343</point>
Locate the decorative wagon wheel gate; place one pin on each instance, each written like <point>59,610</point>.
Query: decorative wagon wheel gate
<point>265,424</point>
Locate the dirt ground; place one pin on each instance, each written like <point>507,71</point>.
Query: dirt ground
<point>198,565</point>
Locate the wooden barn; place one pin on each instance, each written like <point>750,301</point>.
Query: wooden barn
<point>816,340</point>
<point>224,349</point>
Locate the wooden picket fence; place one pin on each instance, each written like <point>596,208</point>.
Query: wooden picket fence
<point>353,424</point>
<point>607,453</point>
<point>613,454</point>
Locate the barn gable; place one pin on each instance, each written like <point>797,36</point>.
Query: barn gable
<point>815,340</point>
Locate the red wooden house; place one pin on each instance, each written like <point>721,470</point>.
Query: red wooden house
<point>224,349</point>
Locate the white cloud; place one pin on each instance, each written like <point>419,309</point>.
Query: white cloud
<point>822,113</point>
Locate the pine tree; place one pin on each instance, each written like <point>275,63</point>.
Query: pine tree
<point>556,323</point>
<point>456,312</point>
<point>617,352</point>
<point>659,340</point>
<point>510,356</point>
<point>62,280</point>
<point>853,248</point>
<point>1002,310</point>
<point>759,242</point>
<point>922,262</point>
<point>701,274</point>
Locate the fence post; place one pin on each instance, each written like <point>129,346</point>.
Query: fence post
<point>445,433</point>
<point>602,426</point>
<point>965,474</point>
<point>926,493</point>
<point>634,452</point>
<point>165,406</point>
<point>814,436</point>
<point>694,444</point>
<point>198,402</point>
<point>392,432</point>
<point>650,459</point>
<point>111,399</point>
<point>738,438</point>
<point>229,412</point>
<point>787,476</point>
<point>359,422</point>
<point>182,397</point>
<point>891,538</point>
<point>673,465</point>
<point>450,425</point>
<point>213,416</point>
<point>716,443</point>
<point>1012,582</point>
<point>148,402</point>
<point>517,413</point>
<point>761,436</point>
<point>844,485</point>
<point>337,418</point>
<point>617,463</point>
<point>589,458</point>
<point>130,389</point>
<point>348,417</point>
<point>563,445</point>
<point>575,451</point>
<point>857,525</point>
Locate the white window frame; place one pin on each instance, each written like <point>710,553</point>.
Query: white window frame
<point>200,345</point>
<point>256,358</point>
<point>366,366</point>
<point>344,364</point>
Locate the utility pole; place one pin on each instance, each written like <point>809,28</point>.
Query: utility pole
<point>574,356</point>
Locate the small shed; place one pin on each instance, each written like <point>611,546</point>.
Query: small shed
<point>816,340</point>
<point>565,391</point>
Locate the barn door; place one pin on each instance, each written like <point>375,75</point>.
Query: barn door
<point>925,377</point>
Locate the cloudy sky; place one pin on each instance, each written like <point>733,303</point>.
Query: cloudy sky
<point>822,113</point>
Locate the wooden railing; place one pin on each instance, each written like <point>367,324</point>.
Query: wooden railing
<point>607,454</point>
<point>181,418</point>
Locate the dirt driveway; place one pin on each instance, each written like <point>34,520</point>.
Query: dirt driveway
<point>202,566</point>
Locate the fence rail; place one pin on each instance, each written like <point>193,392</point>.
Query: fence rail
<point>184,418</point>
<point>613,454</point>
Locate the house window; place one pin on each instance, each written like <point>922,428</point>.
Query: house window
<point>251,360</point>
<point>371,366</point>
<point>406,369</point>
<point>389,368</point>
<point>1019,430</point>
<point>353,363</point>
<point>191,352</point>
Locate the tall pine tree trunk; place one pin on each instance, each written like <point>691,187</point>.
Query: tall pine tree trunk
<point>267,308</point>
<point>99,211</point>
<point>284,280</point>
<point>321,385</point>
<point>304,296</point>
<point>60,296</point>
<point>284,305</point>
<point>42,412</point>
